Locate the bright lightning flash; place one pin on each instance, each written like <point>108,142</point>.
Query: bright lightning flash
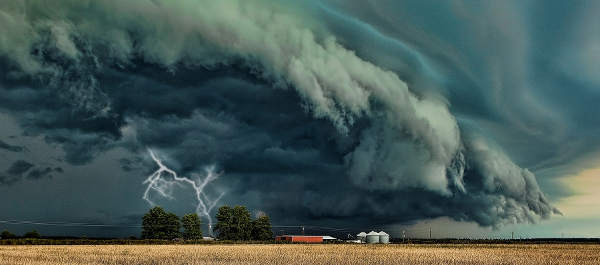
<point>164,179</point>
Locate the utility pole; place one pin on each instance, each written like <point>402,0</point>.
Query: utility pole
<point>403,236</point>
<point>430,233</point>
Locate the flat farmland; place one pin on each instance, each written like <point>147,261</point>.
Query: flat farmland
<point>303,254</point>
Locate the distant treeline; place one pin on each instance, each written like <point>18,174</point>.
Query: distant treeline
<point>79,241</point>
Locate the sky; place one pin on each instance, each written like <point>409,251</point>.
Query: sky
<point>477,119</point>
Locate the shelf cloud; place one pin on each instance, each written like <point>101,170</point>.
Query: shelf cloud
<point>314,111</point>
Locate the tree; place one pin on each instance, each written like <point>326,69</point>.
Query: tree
<point>233,223</point>
<point>32,234</point>
<point>261,229</point>
<point>7,235</point>
<point>191,224</point>
<point>158,224</point>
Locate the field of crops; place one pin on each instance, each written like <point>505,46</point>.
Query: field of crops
<point>303,254</point>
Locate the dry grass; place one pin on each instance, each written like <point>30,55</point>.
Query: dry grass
<point>302,254</point>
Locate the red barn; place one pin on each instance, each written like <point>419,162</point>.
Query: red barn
<point>307,239</point>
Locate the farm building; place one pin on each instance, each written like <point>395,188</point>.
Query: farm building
<point>373,237</point>
<point>307,239</point>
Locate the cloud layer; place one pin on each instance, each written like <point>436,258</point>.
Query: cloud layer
<point>305,119</point>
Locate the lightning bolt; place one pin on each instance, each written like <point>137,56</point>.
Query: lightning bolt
<point>164,179</point>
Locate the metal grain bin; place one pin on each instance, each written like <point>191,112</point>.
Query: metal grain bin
<point>384,238</point>
<point>362,237</point>
<point>372,237</point>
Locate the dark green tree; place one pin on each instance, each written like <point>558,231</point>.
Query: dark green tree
<point>191,224</point>
<point>32,234</point>
<point>233,223</point>
<point>7,235</point>
<point>261,229</point>
<point>158,224</point>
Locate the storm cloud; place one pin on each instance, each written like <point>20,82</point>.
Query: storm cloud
<point>13,148</point>
<point>295,102</point>
<point>22,168</point>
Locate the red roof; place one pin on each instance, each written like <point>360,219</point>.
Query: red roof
<point>309,239</point>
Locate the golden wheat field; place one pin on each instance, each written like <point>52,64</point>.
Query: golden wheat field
<point>302,254</point>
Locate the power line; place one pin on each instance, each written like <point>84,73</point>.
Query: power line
<point>72,224</point>
<point>69,224</point>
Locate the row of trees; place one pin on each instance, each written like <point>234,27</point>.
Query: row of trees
<point>235,224</point>
<point>232,224</point>
<point>9,235</point>
<point>158,224</point>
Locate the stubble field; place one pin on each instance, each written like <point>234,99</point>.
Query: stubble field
<point>303,254</point>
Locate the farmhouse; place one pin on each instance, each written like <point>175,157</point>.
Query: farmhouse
<point>307,239</point>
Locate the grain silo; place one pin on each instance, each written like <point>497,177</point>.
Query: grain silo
<point>372,237</point>
<point>362,237</point>
<point>384,238</point>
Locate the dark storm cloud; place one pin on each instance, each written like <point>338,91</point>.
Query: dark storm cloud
<point>19,167</point>
<point>80,147</point>
<point>130,164</point>
<point>497,63</point>
<point>12,148</point>
<point>8,179</point>
<point>362,120</point>
<point>243,126</point>
<point>39,173</point>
